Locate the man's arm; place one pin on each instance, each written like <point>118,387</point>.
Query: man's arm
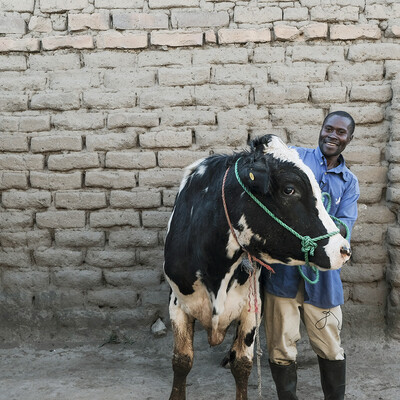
<point>347,210</point>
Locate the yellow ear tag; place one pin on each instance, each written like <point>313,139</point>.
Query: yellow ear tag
<point>251,176</point>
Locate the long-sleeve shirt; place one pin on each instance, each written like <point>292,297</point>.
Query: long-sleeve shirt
<point>342,185</point>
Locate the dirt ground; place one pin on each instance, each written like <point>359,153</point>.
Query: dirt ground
<point>139,368</point>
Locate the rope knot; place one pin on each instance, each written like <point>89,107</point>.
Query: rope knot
<point>308,245</point>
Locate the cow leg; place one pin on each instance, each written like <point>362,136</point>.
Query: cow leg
<point>241,354</point>
<point>182,360</point>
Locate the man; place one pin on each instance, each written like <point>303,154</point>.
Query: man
<point>289,298</point>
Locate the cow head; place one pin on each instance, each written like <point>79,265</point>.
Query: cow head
<point>280,180</point>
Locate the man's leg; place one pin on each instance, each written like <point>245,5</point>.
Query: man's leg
<point>323,328</point>
<point>282,328</point>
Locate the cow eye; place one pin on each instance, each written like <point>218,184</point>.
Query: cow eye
<point>289,190</point>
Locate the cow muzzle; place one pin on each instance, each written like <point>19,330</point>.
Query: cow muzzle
<point>345,251</point>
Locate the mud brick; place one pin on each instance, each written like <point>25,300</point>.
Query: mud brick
<point>166,139</point>
<point>292,116</point>
<point>226,36</point>
<point>111,180</point>
<point>286,32</point>
<point>165,58</point>
<point>22,280</point>
<point>60,219</point>
<point>335,94</point>
<point>70,238</point>
<point>319,54</point>
<point>166,97</point>
<point>66,162</point>
<point>21,162</point>
<point>119,4</point>
<point>56,101</point>
<point>315,31</point>
<point>370,293</point>
<point>173,3</point>
<point>82,279</point>
<point>380,94</point>
<point>78,121</point>
<point>80,200</point>
<point>104,100</point>
<point>12,63</point>
<point>160,178</point>
<point>220,55</point>
<point>182,117</point>
<point>295,14</point>
<point>17,6</point>
<point>138,278</point>
<point>24,200</point>
<point>140,21</point>
<point>244,117</point>
<point>129,79</point>
<point>183,76</point>
<point>15,143</point>
<point>200,19</point>
<point>298,73</point>
<point>138,119</point>
<point>274,94</point>
<point>15,259</point>
<point>155,219</point>
<point>95,21</point>
<point>130,160</point>
<point>109,59</point>
<point>374,52</point>
<point>65,42</point>
<point>28,45</point>
<point>133,238</point>
<point>257,16</point>
<point>268,55</point>
<point>222,97</point>
<point>111,141</point>
<point>12,24</point>
<point>55,181</point>
<point>33,123</point>
<point>227,136</point>
<point>72,80</point>
<point>46,62</point>
<point>117,40</point>
<point>40,24</point>
<point>179,158</point>
<point>32,240</point>
<point>362,115</point>
<point>11,220</point>
<point>137,198</point>
<point>335,14</point>
<point>58,258</point>
<point>176,39</point>
<point>352,32</point>
<point>375,214</point>
<point>43,144</point>
<point>110,258</point>
<point>119,298</point>
<point>13,180</point>
<point>62,5</point>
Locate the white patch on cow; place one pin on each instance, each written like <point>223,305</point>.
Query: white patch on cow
<point>170,220</point>
<point>205,190</point>
<point>279,150</point>
<point>201,170</point>
<point>191,212</point>
<point>189,171</point>
<point>233,246</point>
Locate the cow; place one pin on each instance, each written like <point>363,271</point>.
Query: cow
<point>216,227</point>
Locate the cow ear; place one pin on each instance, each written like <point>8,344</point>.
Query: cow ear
<point>255,176</point>
<point>258,144</point>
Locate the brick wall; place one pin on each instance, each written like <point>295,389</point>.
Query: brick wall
<point>102,104</point>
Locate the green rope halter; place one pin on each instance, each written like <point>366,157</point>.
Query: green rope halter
<point>308,244</point>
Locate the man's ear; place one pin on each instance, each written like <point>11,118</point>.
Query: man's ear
<point>255,175</point>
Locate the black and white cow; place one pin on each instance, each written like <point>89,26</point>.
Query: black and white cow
<point>203,259</point>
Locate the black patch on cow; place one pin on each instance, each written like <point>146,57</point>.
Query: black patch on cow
<point>232,356</point>
<point>249,338</point>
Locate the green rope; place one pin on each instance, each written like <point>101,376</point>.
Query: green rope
<point>308,245</point>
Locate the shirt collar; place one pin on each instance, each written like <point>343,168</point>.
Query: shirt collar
<point>340,169</point>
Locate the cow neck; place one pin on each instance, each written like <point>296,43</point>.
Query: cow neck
<point>250,257</point>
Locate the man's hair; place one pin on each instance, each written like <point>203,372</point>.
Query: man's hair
<point>343,114</point>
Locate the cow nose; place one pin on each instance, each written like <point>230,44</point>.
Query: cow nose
<point>345,251</point>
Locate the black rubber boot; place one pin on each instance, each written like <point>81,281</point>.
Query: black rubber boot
<point>333,378</point>
<point>285,378</point>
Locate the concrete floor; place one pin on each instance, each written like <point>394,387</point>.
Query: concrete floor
<point>140,369</point>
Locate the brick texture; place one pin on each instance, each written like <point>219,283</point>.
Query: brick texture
<point>103,103</point>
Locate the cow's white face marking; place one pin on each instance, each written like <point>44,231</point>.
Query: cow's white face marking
<point>201,170</point>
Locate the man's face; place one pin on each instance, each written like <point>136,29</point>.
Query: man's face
<point>334,136</point>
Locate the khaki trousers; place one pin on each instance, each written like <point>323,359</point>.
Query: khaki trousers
<point>282,318</point>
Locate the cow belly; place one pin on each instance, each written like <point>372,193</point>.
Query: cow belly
<point>215,313</point>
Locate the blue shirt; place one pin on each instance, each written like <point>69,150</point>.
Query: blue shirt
<point>342,185</point>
